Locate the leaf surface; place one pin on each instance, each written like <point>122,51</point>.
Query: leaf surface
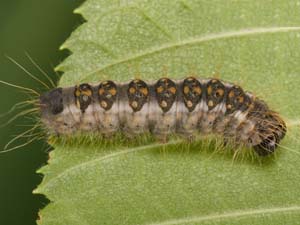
<point>252,43</point>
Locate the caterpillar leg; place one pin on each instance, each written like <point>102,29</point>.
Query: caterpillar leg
<point>188,137</point>
<point>162,138</point>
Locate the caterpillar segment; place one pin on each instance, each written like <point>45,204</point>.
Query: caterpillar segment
<point>187,107</point>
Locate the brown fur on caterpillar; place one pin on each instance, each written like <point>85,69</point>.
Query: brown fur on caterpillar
<point>185,107</point>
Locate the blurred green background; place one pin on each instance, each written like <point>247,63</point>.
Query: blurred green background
<point>38,28</point>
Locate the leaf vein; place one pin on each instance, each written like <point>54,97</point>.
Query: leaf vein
<point>232,214</point>
<point>107,157</point>
<point>164,30</point>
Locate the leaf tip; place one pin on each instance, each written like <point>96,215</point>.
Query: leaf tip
<point>37,190</point>
<point>63,46</point>
<point>58,68</point>
<point>77,11</point>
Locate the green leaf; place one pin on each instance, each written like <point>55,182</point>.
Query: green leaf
<point>252,43</point>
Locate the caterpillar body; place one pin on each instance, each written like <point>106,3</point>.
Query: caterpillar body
<point>186,107</point>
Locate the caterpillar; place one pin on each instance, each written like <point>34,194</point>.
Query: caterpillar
<point>186,107</point>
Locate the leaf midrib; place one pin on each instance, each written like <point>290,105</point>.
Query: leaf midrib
<point>196,40</point>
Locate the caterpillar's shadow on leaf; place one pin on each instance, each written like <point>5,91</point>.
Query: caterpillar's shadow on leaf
<point>207,148</point>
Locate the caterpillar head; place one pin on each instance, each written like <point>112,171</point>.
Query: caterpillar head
<point>51,108</point>
<point>52,102</point>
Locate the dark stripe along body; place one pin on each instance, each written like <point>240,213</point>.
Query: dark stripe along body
<point>186,107</point>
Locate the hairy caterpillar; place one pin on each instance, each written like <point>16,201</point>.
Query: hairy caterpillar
<point>162,107</point>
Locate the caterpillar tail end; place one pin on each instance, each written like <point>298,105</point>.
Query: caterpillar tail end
<point>274,131</point>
